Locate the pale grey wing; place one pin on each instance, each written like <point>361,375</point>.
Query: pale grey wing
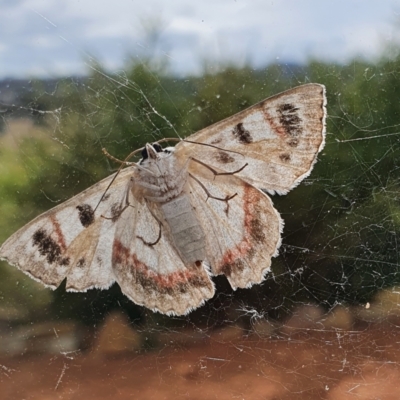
<point>71,240</point>
<point>243,233</point>
<point>278,138</point>
<point>148,267</point>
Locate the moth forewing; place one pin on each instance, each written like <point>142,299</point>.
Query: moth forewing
<point>88,254</point>
<point>279,138</point>
<point>69,239</point>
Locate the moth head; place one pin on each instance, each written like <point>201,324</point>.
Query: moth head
<point>153,152</point>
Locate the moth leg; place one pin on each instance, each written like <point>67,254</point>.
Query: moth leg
<point>159,232</point>
<point>155,191</point>
<point>117,211</point>
<point>216,172</point>
<point>150,186</point>
<point>209,195</point>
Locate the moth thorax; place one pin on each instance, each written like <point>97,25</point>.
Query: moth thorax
<point>185,228</point>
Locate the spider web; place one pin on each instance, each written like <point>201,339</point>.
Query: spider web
<point>324,324</point>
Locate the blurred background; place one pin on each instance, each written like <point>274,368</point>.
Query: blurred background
<point>78,76</point>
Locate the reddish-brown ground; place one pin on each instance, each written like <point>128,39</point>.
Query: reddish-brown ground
<point>359,364</point>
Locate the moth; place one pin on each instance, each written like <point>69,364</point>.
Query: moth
<point>162,227</point>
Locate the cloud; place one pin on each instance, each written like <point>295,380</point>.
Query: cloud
<point>60,35</point>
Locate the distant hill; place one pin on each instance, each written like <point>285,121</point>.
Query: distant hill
<point>18,96</point>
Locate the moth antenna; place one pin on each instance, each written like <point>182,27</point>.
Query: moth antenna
<point>174,139</point>
<point>108,187</point>
<point>203,144</point>
<point>127,163</point>
<point>107,154</point>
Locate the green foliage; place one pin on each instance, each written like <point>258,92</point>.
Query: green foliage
<point>341,225</point>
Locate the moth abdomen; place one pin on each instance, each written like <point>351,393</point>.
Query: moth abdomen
<point>185,228</point>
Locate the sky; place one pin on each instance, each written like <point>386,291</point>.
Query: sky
<point>56,38</point>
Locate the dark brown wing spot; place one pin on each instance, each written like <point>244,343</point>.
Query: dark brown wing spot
<point>48,247</point>
<point>234,266</point>
<point>289,119</point>
<point>198,281</point>
<point>285,157</point>
<point>293,142</point>
<point>64,261</point>
<point>116,211</point>
<point>257,230</point>
<point>216,141</point>
<point>150,284</point>
<point>223,157</point>
<point>86,214</point>
<point>106,197</point>
<point>81,263</point>
<point>242,134</point>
